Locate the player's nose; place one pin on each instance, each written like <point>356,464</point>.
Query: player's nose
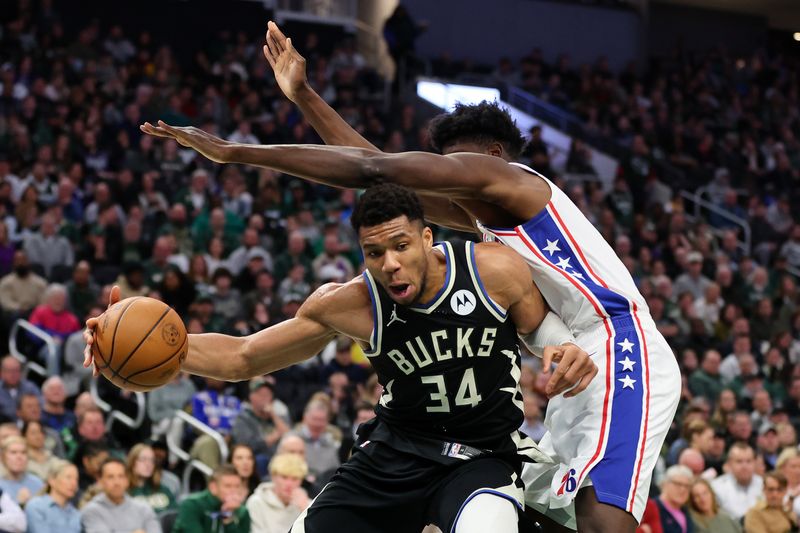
<point>390,263</point>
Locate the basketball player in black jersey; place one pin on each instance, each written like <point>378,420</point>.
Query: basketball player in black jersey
<point>439,324</point>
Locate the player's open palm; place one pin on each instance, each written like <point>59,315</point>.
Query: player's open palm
<point>207,144</point>
<point>289,66</point>
<point>88,333</point>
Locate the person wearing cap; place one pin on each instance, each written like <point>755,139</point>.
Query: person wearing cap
<point>768,444</point>
<point>739,489</point>
<point>774,514</point>
<point>692,280</point>
<point>275,505</point>
<point>249,248</point>
<point>261,423</point>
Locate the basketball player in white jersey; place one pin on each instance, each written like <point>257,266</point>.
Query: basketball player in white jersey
<point>605,440</point>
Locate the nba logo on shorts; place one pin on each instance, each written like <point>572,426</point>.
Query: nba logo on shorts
<point>568,482</point>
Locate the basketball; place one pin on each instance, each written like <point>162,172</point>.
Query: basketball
<point>139,344</point>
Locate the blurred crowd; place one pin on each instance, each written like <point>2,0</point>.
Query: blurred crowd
<point>87,201</point>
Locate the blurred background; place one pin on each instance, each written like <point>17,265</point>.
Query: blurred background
<point>673,124</point>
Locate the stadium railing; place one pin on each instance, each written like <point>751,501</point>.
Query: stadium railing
<point>117,415</point>
<point>174,446</point>
<point>50,349</point>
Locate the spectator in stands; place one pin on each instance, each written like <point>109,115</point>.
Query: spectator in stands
<point>40,459</point>
<point>17,481</point>
<point>227,300</point>
<point>705,512</point>
<point>768,444</point>
<point>88,460</point>
<point>144,479</point>
<point>295,254</point>
<point>331,255</point>
<point>693,460</point>
<point>48,249</point>
<point>12,387</point>
<point>53,510</point>
<point>261,423</point>
<point>7,250</point>
<point>176,290</point>
<point>220,508</point>
<point>217,408</point>
<point>533,425</point>
<point>343,362</point>
<point>672,502</point>
<point>21,290</point>
<point>275,505</point>
<point>132,281</point>
<point>113,509</point>
<point>82,291</point>
<point>739,428</point>
<point>693,280</point>
<point>788,464</point>
<point>53,316</point>
<point>322,444</point>
<point>707,381</point>
<point>164,401</point>
<point>772,514</point>
<point>250,248</point>
<point>791,248</point>
<point>739,489</point>
<point>54,412</point>
<point>244,462</point>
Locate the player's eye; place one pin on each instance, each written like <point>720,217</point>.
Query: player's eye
<point>402,246</point>
<point>373,254</point>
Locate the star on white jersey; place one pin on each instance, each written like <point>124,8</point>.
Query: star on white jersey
<point>552,246</point>
<point>393,317</point>
<point>563,262</point>
<point>626,345</point>
<point>627,382</point>
<point>627,364</point>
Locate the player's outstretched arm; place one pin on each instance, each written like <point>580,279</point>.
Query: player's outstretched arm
<point>330,310</point>
<point>290,73</point>
<point>506,277</point>
<point>460,175</point>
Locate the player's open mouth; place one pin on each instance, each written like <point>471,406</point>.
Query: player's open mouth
<point>400,290</point>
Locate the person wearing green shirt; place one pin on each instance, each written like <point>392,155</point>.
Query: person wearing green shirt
<point>144,476</point>
<point>219,509</point>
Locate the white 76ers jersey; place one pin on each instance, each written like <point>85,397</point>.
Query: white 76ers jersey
<point>577,271</point>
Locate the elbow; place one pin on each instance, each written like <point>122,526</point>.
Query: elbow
<point>372,169</point>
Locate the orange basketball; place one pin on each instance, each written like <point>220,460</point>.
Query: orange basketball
<point>139,344</point>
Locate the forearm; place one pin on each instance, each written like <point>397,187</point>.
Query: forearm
<point>239,358</point>
<point>343,167</point>
<point>327,123</point>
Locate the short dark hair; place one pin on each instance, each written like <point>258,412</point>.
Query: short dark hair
<point>385,202</point>
<point>222,471</point>
<point>482,123</point>
<point>109,461</point>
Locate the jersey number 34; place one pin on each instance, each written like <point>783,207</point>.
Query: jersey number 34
<point>467,393</point>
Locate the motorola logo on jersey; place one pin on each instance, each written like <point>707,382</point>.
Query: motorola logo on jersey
<point>462,302</point>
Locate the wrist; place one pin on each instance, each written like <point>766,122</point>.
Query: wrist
<point>302,92</point>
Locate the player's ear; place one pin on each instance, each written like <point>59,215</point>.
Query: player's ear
<point>427,237</point>
<point>495,149</point>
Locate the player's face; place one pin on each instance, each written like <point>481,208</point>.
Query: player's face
<point>396,255</point>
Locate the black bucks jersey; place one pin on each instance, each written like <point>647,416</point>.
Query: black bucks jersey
<point>450,367</point>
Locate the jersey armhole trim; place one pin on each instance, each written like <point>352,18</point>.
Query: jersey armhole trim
<point>493,307</point>
<point>377,313</point>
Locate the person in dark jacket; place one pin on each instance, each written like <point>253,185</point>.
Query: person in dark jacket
<point>675,490</point>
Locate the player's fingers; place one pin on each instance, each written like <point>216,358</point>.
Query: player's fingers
<point>153,130</point>
<point>276,30</point>
<point>268,56</point>
<point>273,51</point>
<point>584,382</point>
<point>557,383</point>
<point>115,295</point>
<point>87,356</point>
<point>547,358</point>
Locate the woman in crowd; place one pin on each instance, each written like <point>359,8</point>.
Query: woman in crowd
<point>726,404</point>
<point>40,459</point>
<point>773,515</point>
<point>788,464</point>
<point>673,499</point>
<point>17,482</point>
<point>144,477</point>
<point>176,290</point>
<point>52,511</point>
<point>244,462</point>
<point>705,513</point>
<point>275,505</point>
